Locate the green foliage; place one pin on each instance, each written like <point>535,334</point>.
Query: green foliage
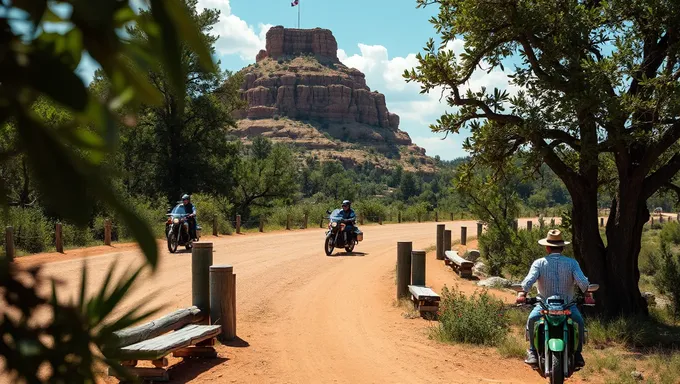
<point>668,276</point>
<point>33,233</point>
<point>670,233</point>
<point>477,319</point>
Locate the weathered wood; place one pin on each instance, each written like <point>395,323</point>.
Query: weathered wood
<point>155,328</point>
<point>418,267</point>
<point>128,363</point>
<point>9,243</point>
<point>238,223</point>
<point>529,225</point>
<point>305,222</point>
<point>214,226</point>
<point>233,304</point>
<point>58,238</point>
<point>459,264</point>
<point>440,241</point>
<point>107,232</point>
<point>380,220</point>
<point>150,374</point>
<point>361,218</point>
<point>161,363</point>
<point>451,216</point>
<point>419,217</point>
<point>261,224</point>
<point>463,235</point>
<point>288,222</point>
<point>447,241</point>
<point>423,293</point>
<point>404,249</point>
<point>436,216</point>
<point>205,352</point>
<point>221,300</point>
<point>201,260</point>
<point>399,217</point>
<point>480,228</point>
<point>161,346</point>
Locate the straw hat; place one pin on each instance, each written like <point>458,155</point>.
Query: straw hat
<point>554,239</point>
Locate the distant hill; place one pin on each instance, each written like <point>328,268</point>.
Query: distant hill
<point>298,92</point>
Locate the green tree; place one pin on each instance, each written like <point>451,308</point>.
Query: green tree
<point>598,103</point>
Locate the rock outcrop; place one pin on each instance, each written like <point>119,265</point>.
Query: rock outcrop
<point>286,43</point>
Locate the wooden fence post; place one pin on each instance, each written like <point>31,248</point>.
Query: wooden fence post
<point>261,224</point>
<point>288,222</point>
<point>436,216</point>
<point>530,225</point>
<point>9,243</point>
<point>58,238</point>
<point>418,268</point>
<point>321,222</point>
<point>451,216</point>
<point>107,232</point>
<point>399,217</point>
<point>215,232</point>
<point>419,217</point>
<point>480,227</point>
<point>380,220</point>
<point>304,224</point>
<point>440,241</point>
<point>447,240</point>
<point>404,249</point>
<point>463,235</point>
<point>361,219</point>
<point>201,260</point>
<point>238,223</point>
<point>222,299</point>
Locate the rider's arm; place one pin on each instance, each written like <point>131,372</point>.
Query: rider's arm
<point>533,275</point>
<point>580,279</point>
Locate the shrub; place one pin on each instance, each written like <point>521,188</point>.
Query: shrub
<point>33,232</point>
<point>513,347</point>
<point>648,260</point>
<point>209,208</point>
<point>670,232</point>
<point>371,209</point>
<point>666,280</point>
<point>74,236</point>
<point>151,211</point>
<point>478,319</point>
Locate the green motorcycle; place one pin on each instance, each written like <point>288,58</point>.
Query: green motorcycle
<point>556,335</point>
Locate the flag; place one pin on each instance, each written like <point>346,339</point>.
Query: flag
<point>294,3</point>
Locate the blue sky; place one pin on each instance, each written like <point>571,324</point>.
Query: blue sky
<point>378,37</point>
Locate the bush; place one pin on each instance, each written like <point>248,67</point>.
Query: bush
<point>667,278</point>
<point>74,236</point>
<point>210,207</point>
<point>670,232</point>
<point>33,232</point>
<point>648,260</point>
<point>371,209</point>
<point>153,212</point>
<point>478,319</point>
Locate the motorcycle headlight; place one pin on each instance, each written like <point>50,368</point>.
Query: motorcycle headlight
<point>176,221</point>
<point>334,224</point>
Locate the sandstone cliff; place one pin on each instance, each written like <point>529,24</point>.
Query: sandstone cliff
<point>299,78</point>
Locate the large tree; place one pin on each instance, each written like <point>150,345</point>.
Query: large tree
<point>599,103</point>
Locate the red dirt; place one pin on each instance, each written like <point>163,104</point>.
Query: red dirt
<point>304,317</point>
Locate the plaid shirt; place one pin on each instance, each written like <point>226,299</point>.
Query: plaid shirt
<point>556,276</point>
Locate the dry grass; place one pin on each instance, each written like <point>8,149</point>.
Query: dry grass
<point>513,347</point>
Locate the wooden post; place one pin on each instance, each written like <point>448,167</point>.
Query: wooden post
<point>463,235</point>
<point>215,226</point>
<point>261,224</point>
<point>418,267</point>
<point>288,222</point>
<point>480,228</point>
<point>201,260</point>
<point>601,221</point>
<point>9,243</point>
<point>380,220</point>
<point>436,216</point>
<point>530,225</point>
<point>59,238</point>
<point>419,217</point>
<point>404,249</point>
<point>107,232</point>
<point>222,298</point>
<point>440,241</point>
<point>321,223</point>
<point>447,240</point>
<point>361,219</point>
<point>238,223</point>
<point>451,216</point>
<point>399,217</point>
<point>304,224</point>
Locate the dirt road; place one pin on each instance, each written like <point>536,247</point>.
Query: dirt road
<point>307,318</point>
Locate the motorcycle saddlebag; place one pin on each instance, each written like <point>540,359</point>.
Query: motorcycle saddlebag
<point>360,235</point>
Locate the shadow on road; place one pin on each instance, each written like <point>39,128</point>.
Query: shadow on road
<point>189,368</point>
<point>349,254</point>
<point>237,343</point>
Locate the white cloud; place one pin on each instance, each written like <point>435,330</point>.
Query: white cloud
<point>417,111</point>
<point>236,36</point>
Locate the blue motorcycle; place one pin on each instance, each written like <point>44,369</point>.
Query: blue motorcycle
<point>177,229</point>
<point>335,235</point>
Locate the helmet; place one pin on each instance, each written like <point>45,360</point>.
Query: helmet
<point>346,202</point>
<point>186,197</point>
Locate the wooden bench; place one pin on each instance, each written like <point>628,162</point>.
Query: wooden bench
<point>424,299</point>
<point>176,333</point>
<point>460,265</point>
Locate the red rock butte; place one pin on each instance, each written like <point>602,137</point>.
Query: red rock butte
<point>283,42</point>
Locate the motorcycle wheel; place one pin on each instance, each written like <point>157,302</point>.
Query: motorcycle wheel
<point>557,371</point>
<point>328,247</point>
<point>350,247</point>
<point>172,243</point>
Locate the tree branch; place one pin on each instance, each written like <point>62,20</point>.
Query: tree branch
<point>661,176</point>
<point>670,137</point>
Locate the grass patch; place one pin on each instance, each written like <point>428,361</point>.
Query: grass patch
<point>409,311</point>
<point>517,316</point>
<point>633,332</point>
<point>513,347</point>
<point>477,319</point>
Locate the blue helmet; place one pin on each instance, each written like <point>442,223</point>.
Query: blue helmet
<point>186,197</point>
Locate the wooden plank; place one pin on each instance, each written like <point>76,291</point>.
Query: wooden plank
<point>205,352</point>
<point>423,293</point>
<point>155,374</point>
<point>453,257</point>
<point>428,308</point>
<point>165,324</point>
<point>161,346</point>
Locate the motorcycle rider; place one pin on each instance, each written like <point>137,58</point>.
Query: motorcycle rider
<point>190,211</point>
<point>348,217</point>
<point>556,275</point>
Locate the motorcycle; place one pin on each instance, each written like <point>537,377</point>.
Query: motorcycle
<point>177,229</point>
<point>556,335</point>
<point>336,229</point>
